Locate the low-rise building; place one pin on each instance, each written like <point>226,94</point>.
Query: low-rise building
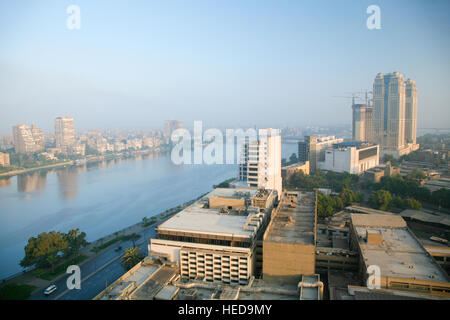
<point>313,148</point>
<point>289,243</point>
<point>384,242</point>
<point>4,159</point>
<point>215,238</point>
<point>375,174</point>
<point>288,171</point>
<point>351,157</point>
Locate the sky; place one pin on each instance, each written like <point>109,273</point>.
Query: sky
<point>233,63</point>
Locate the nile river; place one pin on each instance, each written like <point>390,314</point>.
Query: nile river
<point>99,199</point>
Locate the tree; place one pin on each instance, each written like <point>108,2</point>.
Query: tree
<point>441,197</point>
<point>133,237</point>
<point>52,259</point>
<point>75,240</point>
<point>338,204</point>
<point>380,199</point>
<point>324,205</point>
<point>414,204</point>
<point>44,250</point>
<point>293,159</point>
<point>416,174</point>
<point>349,196</point>
<point>131,257</point>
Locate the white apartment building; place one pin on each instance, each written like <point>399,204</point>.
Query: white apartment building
<point>353,157</point>
<point>214,239</point>
<point>260,163</point>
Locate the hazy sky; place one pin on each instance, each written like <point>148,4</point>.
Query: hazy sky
<point>267,63</point>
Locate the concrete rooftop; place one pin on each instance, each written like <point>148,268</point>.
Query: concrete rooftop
<point>400,254</point>
<point>294,225</point>
<point>197,219</point>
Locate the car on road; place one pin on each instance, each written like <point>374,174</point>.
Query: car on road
<point>50,290</point>
<point>118,249</point>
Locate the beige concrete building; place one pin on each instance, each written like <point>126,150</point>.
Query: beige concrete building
<point>215,239</point>
<point>395,114</point>
<point>374,175</point>
<point>389,110</point>
<point>64,133</point>
<point>386,242</point>
<point>289,243</point>
<point>4,159</point>
<point>313,148</point>
<point>411,112</point>
<point>27,139</point>
<point>288,171</point>
<point>362,124</point>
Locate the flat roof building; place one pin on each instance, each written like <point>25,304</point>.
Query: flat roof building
<point>312,149</point>
<point>260,163</point>
<point>289,243</point>
<point>351,157</point>
<point>214,239</point>
<point>288,171</point>
<point>385,241</point>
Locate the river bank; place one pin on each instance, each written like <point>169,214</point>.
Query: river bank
<point>50,166</point>
<point>91,159</point>
<point>29,278</point>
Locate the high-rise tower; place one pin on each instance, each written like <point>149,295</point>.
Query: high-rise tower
<point>389,110</point>
<point>411,112</point>
<point>261,161</point>
<point>362,124</point>
<point>64,132</point>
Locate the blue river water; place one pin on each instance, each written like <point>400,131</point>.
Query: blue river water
<point>99,199</point>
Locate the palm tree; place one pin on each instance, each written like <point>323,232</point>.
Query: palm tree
<point>131,257</point>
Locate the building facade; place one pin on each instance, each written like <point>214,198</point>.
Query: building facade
<point>353,157</point>
<point>411,112</point>
<point>4,160</point>
<point>313,148</point>
<point>395,113</point>
<point>27,139</point>
<point>288,171</point>
<point>385,242</point>
<point>260,163</point>
<point>362,124</point>
<point>289,242</point>
<point>215,239</point>
<point>64,133</point>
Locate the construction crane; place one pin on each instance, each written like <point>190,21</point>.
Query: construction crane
<point>366,94</point>
<point>353,97</point>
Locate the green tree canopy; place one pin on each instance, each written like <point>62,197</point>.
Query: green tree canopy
<point>380,199</point>
<point>349,196</point>
<point>131,257</point>
<point>324,205</point>
<point>75,241</point>
<point>44,250</point>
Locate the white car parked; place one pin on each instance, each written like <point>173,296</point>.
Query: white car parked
<point>50,290</point>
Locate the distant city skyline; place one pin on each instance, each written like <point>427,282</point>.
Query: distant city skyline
<point>236,63</point>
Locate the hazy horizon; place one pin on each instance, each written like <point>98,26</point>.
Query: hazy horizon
<point>231,63</point>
